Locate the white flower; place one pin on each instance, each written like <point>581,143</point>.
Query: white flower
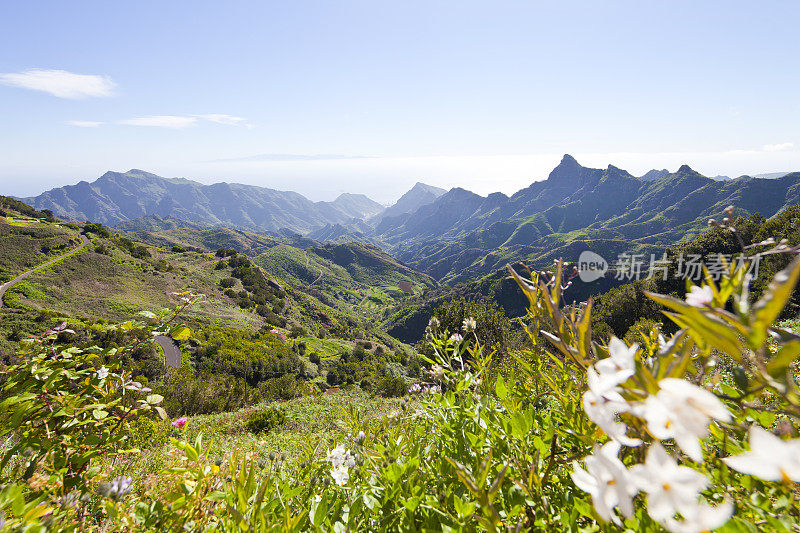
<point>341,461</point>
<point>437,371</point>
<point>433,323</point>
<point>102,373</point>
<point>670,488</point>
<point>608,482</point>
<point>435,389</point>
<point>456,337</point>
<point>341,475</point>
<point>414,388</point>
<point>620,366</point>
<point>770,458</point>
<point>707,518</point>
<point>699,296</point>
<point>602,405</point>
<point>682,411</point>
<point>469,325</point>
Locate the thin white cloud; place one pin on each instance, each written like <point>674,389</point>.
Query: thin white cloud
<point>84,123</point>
<point>179,121</point>
<point>228,120</point>
<point>161,121</point>
<point>61,83</point>
<point>781,147</point>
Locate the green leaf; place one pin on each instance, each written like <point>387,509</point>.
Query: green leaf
<point>180,333</point>
<point>318,511</point>
<point>500,388</point>
<point>99,414</point>
<point>769,307</point>
<point>153,399</point>
<point>785,357</point>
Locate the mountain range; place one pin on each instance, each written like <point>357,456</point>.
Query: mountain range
<point>117,197</point>
<point>462,235</point>
<point>453,235</point>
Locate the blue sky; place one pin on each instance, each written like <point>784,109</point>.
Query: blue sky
<point>372,96</point>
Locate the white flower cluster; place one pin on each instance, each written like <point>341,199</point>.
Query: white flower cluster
<point>341,461</point>
<point>424,388</point>
<point>469,325</point>
<point>680,411</point>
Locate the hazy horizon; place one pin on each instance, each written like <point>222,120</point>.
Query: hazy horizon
<point>401,185</point>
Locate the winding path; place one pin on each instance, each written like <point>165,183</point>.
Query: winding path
<point>7,285</point>
<point>172,354</point>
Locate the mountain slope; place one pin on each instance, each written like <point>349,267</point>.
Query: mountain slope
<point>117,197</point>
<point>462,235</point>
<point>420,194</point>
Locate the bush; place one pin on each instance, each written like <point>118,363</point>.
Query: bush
<point>227,283</point>
<point>97,229</point>
<point>391,387</point>
<point>286,387</point>
<point>263,421</point>
<point>146,433</point>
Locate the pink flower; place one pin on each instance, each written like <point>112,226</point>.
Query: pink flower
<point>179,423</point>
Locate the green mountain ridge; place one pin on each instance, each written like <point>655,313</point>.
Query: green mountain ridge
<point>458,235</point>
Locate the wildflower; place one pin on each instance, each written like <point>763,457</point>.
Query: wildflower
<point>414,388</point>
<point>682,411</point>
<point>616,369</point>
<point>433,323</point>
<point>117,488</point>
<point>602,406</point>
<point>437,371</point>
<point>435,389</point>
<point>706,518</point>
<point>699,296</point>
<point>770,458</point>
<point>341,461</point>
<point>457,338</point>
<point>608,482</point>
<point>469,325</point>
<point>670,488</point>
<point>102,373</point>
<point>360,437</point>
<point>180,423</point>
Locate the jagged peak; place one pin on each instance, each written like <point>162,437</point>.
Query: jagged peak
<point>424,187</point>
<point>685,168</point>
<point>566,169</point>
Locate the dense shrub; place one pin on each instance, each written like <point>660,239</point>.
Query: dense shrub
<point>138,251</point>
<point>265,420</point>
<point>97,229</point>
<point>391,387</point>
<point>494,326</point>
<point>225,252</point>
